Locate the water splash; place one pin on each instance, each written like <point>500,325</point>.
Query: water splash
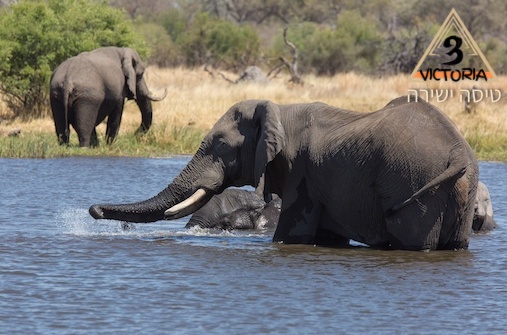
<point>77,222</point>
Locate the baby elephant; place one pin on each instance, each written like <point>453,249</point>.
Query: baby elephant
<point>237,209</point>
<point>483,214</point>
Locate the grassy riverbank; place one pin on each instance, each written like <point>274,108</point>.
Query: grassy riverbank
<point>196,100</point>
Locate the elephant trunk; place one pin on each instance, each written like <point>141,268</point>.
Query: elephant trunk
<point>182,197</point>
<point>165,205</point>
<point>145,211</point>
<point>143,100</point>
<point>144,105</point>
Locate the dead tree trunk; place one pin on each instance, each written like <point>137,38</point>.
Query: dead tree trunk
<point>291,66</point>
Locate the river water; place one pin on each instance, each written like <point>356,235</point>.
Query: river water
<point>62,272</point>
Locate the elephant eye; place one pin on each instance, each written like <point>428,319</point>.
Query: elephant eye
<point>222,145</point>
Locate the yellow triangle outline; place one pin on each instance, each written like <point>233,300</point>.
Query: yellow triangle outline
<point>453,19</point>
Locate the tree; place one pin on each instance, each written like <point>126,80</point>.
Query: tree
<point>164,52</point>
<point>350,46</point>
<point>366,36</point>
<point>220,43</point>
<point>36,36</point>
<point>144,8</point>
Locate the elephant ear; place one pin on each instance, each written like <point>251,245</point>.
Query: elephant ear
<point>132,68</point>
<point>270,141</point>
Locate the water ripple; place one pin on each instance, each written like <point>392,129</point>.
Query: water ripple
<point>63,272</point>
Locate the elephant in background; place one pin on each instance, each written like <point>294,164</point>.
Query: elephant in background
<point>93,85</point>
<point>237,209</point>
<point>402,177</point>
<point>483,214</point>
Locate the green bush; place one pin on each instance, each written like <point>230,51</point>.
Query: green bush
<point>219,42</point>
<point>173,21</point>
<point>36,36</point>
<point>195,40</point>
<point>164,52</point>
<point>350,46</point>
<point>494,50</point>
<point>328,52</point>
<point>363,38</point>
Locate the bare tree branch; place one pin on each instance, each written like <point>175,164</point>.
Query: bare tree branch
<point>276,70</point>
<point>292,66</point>
<point>210,71</point>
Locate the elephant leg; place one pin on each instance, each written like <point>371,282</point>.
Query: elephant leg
<point>328,238</point>
<point>60,119</point>
<point>458,218</point>
<point>113,122</point>
<point>94,140</point>
<point>418,225</point>
<point>325,235</point>
<point>300,216</point>
<point>83,120</point>
<point>84,136</point>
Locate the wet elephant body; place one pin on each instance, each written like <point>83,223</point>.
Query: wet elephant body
<point>401,177</point>
<point>237,209</point>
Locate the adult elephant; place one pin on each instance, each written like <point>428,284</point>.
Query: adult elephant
<point>237,209</point>
<point>483,215</point>
<point>93,85</point>
<point>402,177</point>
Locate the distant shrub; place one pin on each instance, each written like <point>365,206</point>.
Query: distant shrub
<point>350,46</point>
<point>219,42</point>
<point>174,22</point>
<point>494,51</point>
<point>36,36</point>
<point>163,51</point>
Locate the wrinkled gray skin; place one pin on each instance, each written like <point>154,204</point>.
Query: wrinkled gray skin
<point>91,86</point>
<point>483,214</point>
<point>237,209</point>
<point>402,177</point>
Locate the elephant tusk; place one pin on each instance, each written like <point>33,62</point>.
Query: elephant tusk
<point>157,98</point>
<point>194,198</point>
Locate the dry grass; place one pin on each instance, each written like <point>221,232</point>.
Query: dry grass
<point>196,99</point>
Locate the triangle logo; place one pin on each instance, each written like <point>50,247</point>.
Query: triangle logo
<point>453,55</point>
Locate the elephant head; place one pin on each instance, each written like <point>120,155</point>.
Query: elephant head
<point>136,88</point>
<point>237,209</point>
<point>483,213</point>
<point>234,153</point>
<point>133,69</point>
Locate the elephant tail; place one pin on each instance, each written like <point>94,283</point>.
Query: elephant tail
<point>458,165</point>
<point>66,94</point>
